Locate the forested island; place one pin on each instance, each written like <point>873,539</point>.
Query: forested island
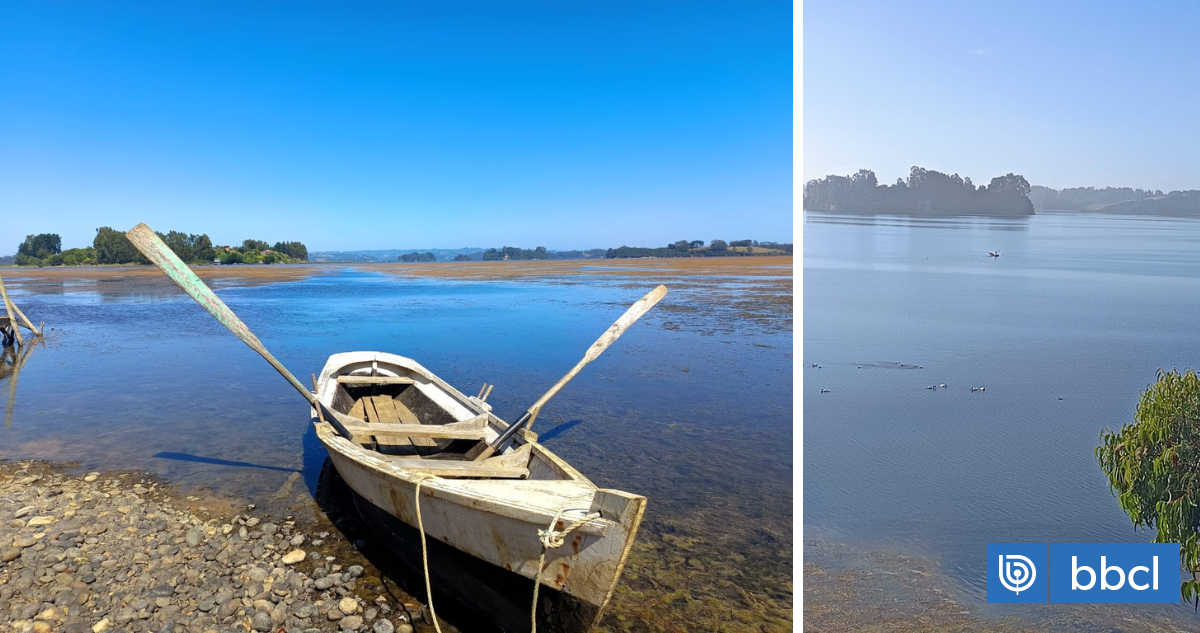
<point>926,192</point>
<point>112,247</point>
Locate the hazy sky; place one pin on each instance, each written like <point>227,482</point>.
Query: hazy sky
<point>388,125</point>
<point>1065,93</point>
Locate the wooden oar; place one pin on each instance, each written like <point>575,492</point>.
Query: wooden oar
<point>635,312</point>
<point>158,252</point>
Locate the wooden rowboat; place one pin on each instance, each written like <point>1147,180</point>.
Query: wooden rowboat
<point>419,428</point>
<point>420,453</point>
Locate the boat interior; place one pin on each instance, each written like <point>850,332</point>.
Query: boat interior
<point>417,423</point>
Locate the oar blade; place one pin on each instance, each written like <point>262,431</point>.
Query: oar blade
<point>635,312</point>
<point>145,240</point>
<point>484,450</point>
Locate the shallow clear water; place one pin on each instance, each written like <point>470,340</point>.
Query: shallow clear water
<point>136,375</point>
<point>1064,330</point>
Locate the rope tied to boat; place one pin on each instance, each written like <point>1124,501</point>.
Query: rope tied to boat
<point>421,478</point>
<point>554,539</point>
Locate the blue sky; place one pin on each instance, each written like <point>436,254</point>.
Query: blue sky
<point>1065,93</point>
<point>396,125</point>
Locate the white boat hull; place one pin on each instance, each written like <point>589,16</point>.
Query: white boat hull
<point>496,520</point>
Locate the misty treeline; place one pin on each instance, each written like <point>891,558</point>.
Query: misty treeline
<point>112,247</point>
<point>417,257</point>
<point>697,248</point>
<point>540,252</point>
<point>1124,200</point>
<point>925,192</point>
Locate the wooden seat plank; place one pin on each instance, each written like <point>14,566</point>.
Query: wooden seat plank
<point>459,469</point>
<point>375,380</point>
<point>362,431</point>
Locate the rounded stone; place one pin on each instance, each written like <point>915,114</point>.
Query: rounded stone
<point>294,556</point>
<point>383,626</point>
<point>9,554</point>
<point>350,623</point>
<point>261,622</point>
<point>348,605</point>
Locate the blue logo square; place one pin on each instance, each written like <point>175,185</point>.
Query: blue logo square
<point>1016,572</point>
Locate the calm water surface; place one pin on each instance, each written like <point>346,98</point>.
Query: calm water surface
<point>692,407</point>
<point>1064,330</point>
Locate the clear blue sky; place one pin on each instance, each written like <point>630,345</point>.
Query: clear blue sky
<point>1065,93</point>
<point>396,125</point>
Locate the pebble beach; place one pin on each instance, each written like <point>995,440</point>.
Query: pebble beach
<point>123,552</point>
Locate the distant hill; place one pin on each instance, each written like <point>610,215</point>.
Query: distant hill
<point>443,254</point>
<point>1117,200</point>
<point>391,255</point>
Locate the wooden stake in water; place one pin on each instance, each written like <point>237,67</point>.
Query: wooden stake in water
<point>12,308</point>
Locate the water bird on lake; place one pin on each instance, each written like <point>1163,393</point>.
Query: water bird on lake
<point>995,254</point>
<point>974,388</point>
<point>930,387</point>
<point>943,385</point>
<point>496,501</point>
<point>824,391</point>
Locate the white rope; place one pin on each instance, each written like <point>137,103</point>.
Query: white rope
<point>554,539</point>
<point>425,553</point>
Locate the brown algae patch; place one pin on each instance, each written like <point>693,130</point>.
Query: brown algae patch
<point>662,268</point>
<point>56,279</point>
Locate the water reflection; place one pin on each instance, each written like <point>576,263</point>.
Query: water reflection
<point>12,359</point>
<point>949,221</point>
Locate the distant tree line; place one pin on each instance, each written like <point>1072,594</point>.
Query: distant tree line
<point>511,252</point>
<point>112,247</point>
<point>927,192</point>
<point>1122,200</point>
<point>417,257</point>
<point>696,248</point>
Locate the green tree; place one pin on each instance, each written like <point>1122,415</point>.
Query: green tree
<point>682,246</point>
<point>180,243</point>
<point>254,245</point>
<point>1153,468</point>
<point>718,245</point>
<point>294,250</point>
<point>462,257</point>
<point>37,248</point>
<point>112,247</point>
<point>202,248</point>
